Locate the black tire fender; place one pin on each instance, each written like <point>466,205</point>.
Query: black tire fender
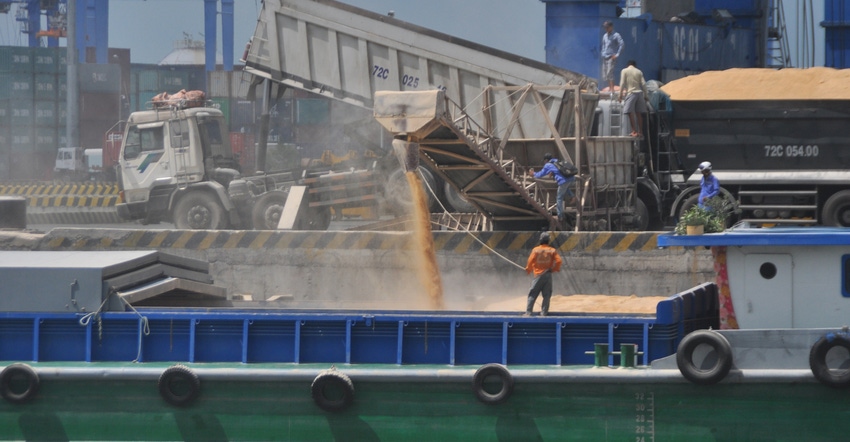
<point>722,363</point>
<point>332,391</point>
<point>15,375</point>
<point>482,376</point>
<point>837,378</point>
<point>179,385</point>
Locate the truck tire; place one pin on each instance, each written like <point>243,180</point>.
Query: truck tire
<point>457,201</point>
<point>641,221</point>
<point>836,210</point>
<point>267,210</point>
<point>199,211</point>
<point>397,192</point>
<point>316,218</point>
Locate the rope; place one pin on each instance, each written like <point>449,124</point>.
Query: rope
<point>86,319</point>
<point>468,232</point>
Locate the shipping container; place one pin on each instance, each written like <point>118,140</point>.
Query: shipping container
<point>61,114</point>
<point>219,84</point>
<point>239,83</point>
<point>98,106</point>
<point>20,85</point>
<point>22,138</point>
<point>45,60</point>
<point>61,86</point>
<point>173,80</point>
<point>222,104</point>
<point>21,112</point>
<point>144,80</point>
<point>243,113</point>
<point>16,59</point>
<point>45,113</point>
<point>45,87</point>
<point>5,114</point>
<point>100,78</point>
<point>92,130</point>
<point>46,139</point>
<point>140,100</point>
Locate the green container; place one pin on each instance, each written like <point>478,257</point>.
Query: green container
<point>23,138</point>
<point>21,113</point>
<point>45,114</point>
<point>21,86</point>
<point>16,59</point>
<point>61,86</point>
<point>46,139</point>
<point>138,101</point>
<point>100,78</point>
<point>45,87</point>
<point>45,60</point>
<point>222,104</point>
<point>5,115</point>
<point>62,113</point>
<point>144,80</point>
<point>173,81</point>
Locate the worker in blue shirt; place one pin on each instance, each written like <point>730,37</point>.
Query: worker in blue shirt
<point>709,185</point>
<point>564,183</point>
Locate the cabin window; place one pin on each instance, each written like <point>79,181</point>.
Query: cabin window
<point>768,270</point>
<point>141,140</point>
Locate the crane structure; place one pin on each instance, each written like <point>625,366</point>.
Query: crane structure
<point>92,26</point>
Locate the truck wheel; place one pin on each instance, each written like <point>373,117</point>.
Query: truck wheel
<point>687,204</point>
<point>199,211</point>
<point>457,201</point>
<point>641,221</point>
<point>836,211</point>
<point>397,192</point>
<point>268,209</point>
<point>316,218</point>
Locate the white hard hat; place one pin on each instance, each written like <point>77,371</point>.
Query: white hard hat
<point>705,165</point>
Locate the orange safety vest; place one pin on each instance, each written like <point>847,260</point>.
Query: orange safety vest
<point>544,257</point>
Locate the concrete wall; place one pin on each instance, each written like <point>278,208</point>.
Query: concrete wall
<point>373,270</point>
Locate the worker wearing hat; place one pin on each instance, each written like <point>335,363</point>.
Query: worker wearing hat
<point>709,184</point>
<point>542,262</point>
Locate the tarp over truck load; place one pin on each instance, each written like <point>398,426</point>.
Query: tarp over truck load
<point>348,53</point>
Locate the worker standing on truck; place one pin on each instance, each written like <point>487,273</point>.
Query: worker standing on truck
<point>542,262</point>
<point>633,86</point>
<point>709,185</point>
<point>564,183</point>
<point>612,46</point>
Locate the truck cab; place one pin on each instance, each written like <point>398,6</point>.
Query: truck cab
<point>169,156</point>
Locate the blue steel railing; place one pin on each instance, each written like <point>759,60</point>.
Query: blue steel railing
<point>350,337</point>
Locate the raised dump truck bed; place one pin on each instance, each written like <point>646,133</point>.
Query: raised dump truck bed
<point>347,53</point>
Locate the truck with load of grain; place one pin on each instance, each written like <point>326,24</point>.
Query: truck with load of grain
<point>777,140</point>
<point>176,165</point>
<point>503,114</point>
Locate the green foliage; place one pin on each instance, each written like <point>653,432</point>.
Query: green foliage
<point>713,217</point>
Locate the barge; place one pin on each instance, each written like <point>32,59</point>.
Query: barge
<point>144,346</point>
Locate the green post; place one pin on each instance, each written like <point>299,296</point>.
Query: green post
<point>627,355</point>
<point>600,355</point>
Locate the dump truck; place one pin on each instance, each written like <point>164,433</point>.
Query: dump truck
<point>495,114</point>
<point>176,165</point>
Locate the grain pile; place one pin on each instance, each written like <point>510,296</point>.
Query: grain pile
<point>762,84</point>
<point>585,304</point>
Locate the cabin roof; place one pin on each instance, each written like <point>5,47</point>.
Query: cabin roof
<point>777,236</point>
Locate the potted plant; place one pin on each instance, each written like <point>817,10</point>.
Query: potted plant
<point>711,219</point>
<point>693,221</point>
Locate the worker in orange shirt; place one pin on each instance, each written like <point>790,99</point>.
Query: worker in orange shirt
<point>543,261</point>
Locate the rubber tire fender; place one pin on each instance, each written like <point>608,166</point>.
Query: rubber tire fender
<point>685,357</point>
<point>181,374</point>
<point>18,370</point>
<point>490,370</point>
<point>817,360</point>
<point>335,380</point>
